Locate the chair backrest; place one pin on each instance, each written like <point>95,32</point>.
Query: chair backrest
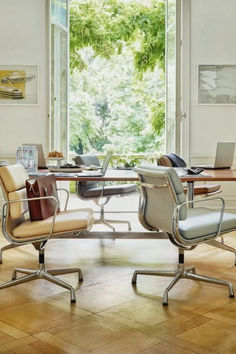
<point>162,190</point>
<point>164,161</point>
<point>12,181</point>
<point>86,160</point>
<point>171,160</point>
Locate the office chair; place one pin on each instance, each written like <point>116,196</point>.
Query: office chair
<point>96,191</point>
<point>164,207</point>
<point>19,230</point>
<point>202,190</point>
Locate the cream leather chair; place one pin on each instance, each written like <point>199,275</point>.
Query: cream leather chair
<point>164,207</point>
<point>18,229</point>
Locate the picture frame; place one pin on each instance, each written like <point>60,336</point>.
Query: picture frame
<point>19,84</point>
<point>216,84</point>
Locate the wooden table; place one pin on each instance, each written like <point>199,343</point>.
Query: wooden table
<point>131,176</point>
<point>112,175</point>
<point>225,175</point>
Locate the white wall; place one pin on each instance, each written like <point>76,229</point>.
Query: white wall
<point>24,40</point>
<point>212,41</point>
<point>212,34</point>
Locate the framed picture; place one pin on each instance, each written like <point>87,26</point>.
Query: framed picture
<point>217,84</point>
<point>19,84</point>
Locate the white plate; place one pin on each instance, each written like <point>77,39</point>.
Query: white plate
<point>55,158</point>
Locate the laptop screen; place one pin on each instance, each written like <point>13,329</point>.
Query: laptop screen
<point>224,154</point>
<point>106,163</point>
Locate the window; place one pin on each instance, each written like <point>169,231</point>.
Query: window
<point>59,75</point>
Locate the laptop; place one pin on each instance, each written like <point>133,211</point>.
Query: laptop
<point>97,173</point>
<point>41,157</point>
<point>224,157</point>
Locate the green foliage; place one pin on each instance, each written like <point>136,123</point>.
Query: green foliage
<point>158,116</point>
<point>109,25</point>
<point>117,54</point>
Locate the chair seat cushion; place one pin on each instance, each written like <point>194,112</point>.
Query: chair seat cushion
<point>203,223</point>
<point>118,189</point>
<point>206,188</point>
<point>66,221</point>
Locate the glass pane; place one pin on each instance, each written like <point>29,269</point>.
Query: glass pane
<point>170,75</point>
<point>59,11</point>
<point>59,76</point>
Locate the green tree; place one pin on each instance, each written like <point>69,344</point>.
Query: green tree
<point>117,83</point>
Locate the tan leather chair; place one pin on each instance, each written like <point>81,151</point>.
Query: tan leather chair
<point>201,189</point>
<point>18,229</point>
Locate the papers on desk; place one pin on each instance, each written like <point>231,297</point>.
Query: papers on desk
<point>37,174</point>
<point>61,174</point>
<point>57,174</point>
<point>182,172</point>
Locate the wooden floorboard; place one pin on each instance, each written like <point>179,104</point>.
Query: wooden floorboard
<point>110,316</point>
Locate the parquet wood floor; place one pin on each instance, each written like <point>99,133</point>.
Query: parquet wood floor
<point>110,316</point>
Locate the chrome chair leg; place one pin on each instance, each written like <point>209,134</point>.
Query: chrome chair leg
<point>211,280</point>
<point>7,247</point>
<point>42,273</point>
<point>47,276</point>
<point>108,222</point>
<point>21,270</point>
<point>190,269</point>
<point>20,280</point>
<point>99,221</point>
<point>61,271</point>
<point>163,273</point>
<point>178,276</point>
<point>182,272</point>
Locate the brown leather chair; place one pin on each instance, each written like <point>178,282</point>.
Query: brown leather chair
<point>202,189</point>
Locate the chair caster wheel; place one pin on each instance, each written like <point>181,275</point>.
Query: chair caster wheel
<point>73,301</point>
<point>165,304</point>
<point>231,296</point>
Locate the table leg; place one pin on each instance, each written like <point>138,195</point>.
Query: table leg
<point>190,193</point>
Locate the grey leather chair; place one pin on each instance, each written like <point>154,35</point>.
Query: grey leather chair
<point>100,193</point>
<point>164,207</point>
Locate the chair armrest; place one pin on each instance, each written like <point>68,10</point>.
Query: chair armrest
<point>67,196</point>
<point>8,202</point>
<point>177,208</point>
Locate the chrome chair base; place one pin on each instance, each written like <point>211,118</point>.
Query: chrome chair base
<point>182,273</point>
<point>42,273</point>
<point>107,222</point>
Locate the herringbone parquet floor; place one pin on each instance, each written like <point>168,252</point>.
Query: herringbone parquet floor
<point>111,316</point>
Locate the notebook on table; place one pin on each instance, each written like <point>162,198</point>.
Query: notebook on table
<point>97,173</point>
<point>224,157</point>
